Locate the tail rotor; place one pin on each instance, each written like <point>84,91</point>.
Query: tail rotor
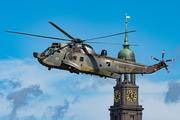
<point>162,61</point>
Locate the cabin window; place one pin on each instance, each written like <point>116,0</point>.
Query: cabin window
<point>108,63</point>
<point>81,59</point>
<point>74,57</point>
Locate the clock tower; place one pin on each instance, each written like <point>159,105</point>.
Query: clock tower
<point>126,106</point>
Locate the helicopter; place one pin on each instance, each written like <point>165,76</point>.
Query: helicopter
<point>78,57</point>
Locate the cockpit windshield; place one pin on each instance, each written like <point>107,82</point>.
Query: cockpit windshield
<point>51,51</point>
<point>48,51</point>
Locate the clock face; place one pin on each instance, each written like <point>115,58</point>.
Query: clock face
<point>131,95</point>
<point>117,96</point>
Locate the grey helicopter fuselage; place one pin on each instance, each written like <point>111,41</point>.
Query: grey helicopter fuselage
<point>77,57</point>
<point>81,58</point>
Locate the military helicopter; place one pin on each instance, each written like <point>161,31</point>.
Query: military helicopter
<point>77,57</point>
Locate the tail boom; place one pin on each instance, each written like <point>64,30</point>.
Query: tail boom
<point>155,67</point>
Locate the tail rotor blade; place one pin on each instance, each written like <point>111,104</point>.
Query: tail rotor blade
<point>167,69</point>
<point>163,54</point>
<point>169,60</point>
<point>155,58</point>
<point>162,63</point>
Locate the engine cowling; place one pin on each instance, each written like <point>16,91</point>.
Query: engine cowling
<point>103,53</point>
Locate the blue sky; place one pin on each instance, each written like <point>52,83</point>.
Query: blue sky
<point>57,94</point>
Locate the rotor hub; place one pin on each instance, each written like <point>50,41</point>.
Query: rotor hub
<point>77,40</point>
<point>163,62</point>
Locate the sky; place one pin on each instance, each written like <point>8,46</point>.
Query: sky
<point>28,91</point>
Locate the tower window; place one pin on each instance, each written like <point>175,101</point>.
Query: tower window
<point>116,118</point>
<point>131,117</point>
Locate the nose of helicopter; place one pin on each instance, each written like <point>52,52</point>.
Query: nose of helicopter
<point>36,55</point>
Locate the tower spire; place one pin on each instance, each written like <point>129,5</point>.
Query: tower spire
<point>126,44</point>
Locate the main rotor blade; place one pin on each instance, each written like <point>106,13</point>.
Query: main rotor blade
<point>108,43</point>
<point>37,35</point>
<point>110,35</point>
<point>61,30</point>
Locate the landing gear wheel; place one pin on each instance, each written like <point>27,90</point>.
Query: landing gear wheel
<point>49,68</point>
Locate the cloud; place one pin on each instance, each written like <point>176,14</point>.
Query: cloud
<point>91,84</point>
<point>16,74</point>
<point>12,83</point>
<point>76,100</point>
<point>72,117</point>
<point>59,111</point>
<point>97,93</point>
<point>1,95</point>
<point>28,72</point>
<point>31,117</point>
<point>21,98</point>
<point>173,93</point>
<point>152,98</point>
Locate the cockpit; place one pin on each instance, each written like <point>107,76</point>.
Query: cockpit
<point>56,48</point>
<point>47,52</point>
<point>51,50</point>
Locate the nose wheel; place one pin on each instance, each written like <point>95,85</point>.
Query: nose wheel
<point>49,68</point>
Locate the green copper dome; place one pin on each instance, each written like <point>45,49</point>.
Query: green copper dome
<point>126,54</point>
